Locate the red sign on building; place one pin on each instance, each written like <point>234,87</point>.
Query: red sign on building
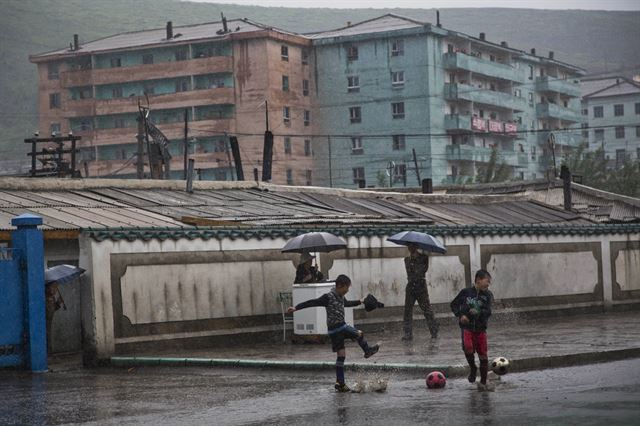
<point>510,128</point>
<point>479,124</point>
<point>495,126</point>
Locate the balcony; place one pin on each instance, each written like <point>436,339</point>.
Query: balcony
<point>553,84</point>
<point>483,155</point>
<point>569,138</point>
<point>210,65</point>
<point>461,123</point>
<point>558,112</point>
<point>477,65</point>
<point>458,92</point>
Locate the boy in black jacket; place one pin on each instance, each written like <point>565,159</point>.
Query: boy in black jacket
<point>338,330</point>
<point>472,306</point>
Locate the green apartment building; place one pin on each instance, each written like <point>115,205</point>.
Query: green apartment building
<point>392,86</point>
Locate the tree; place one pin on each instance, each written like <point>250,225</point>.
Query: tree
<point>493,172</point>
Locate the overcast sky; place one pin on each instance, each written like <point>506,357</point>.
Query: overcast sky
<point>429,4</point>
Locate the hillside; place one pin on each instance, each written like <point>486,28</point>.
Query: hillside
<point>595,40</point>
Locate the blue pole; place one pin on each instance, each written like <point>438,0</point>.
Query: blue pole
<point>29,240</point>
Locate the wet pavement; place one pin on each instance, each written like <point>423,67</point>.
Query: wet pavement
<point>607,393</point>
<point>516,338</point>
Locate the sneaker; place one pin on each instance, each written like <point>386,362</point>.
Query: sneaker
<point>342,387</point>
<point>372,351</point>
<point>472,375</point>
<point>486,387</point>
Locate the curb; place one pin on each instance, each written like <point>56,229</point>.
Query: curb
<point>518,365</point>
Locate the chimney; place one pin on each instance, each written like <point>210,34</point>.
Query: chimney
<point>427,186</point>
<point>76,42</point>
<point>533,51</point>
<point>482,36</point>
<point>438,19</point>
<point>348,23</point>
<point>169,30</point>
<point>551,54</point>
<point>565,175</point>
<point>504,44</point>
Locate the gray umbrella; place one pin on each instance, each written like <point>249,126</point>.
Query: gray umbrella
<point>62,274</point>
<point>424,241</point>
<point>313,242</point>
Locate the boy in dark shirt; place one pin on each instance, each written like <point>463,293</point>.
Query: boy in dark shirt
<point>334,302</point>
<point>472,306</point>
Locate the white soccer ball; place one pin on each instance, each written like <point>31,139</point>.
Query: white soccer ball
<point>500,365</point>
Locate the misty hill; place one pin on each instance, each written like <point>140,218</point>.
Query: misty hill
<point>598,41</point>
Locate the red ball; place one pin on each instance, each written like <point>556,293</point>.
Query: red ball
<point>436,380</point>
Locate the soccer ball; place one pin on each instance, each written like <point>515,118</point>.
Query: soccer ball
<point>436,380</point>
<point>500,365</point>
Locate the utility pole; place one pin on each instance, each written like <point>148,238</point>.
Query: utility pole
<point>330,168</point>
<point>186,143</point>
<point>226,148</point>
<point>140,155</point>
<point>390,166</point>
<point>415,163</point>
<point>552,144</point>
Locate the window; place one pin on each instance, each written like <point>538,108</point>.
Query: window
<point>398,143</point>
<point>619,132</point>
<point>86,124</point>
<point>397,78</point>
<point>149,89</point>
<point>305,87</point>
<point>215,81</point>
<point>355,114</point>
<point>147,59</point>
<point>353,84</point>
<point>116,92</point>
<point>286,115</point>
<point>85,93</point>
<point>52,71</point>
<point>637,108</point>
<point>356,145</point>
<point>285,83</point>
<point>287,145</point>
<point>55,128</point>
<point>115,62</point>
<point>517,93</point>
<point>118,123</point>
<point>620,157</point>
<point>54,100</point>
<point>307,117</point>
<point>598,134</point>
<point>284,53</point>
<point>530,99</point>
<point>358,175</point>
<point>309,176</point>
<point>492,58</point>
<point>87,154</point>
<point>352,53</point>
<point>585,133</point>
<point>618,110</point>
<point>585,111</point>
<point>305,56</point>
<point>400,172</point>
<point>530,72</point>
<point>397,47</point>
<point>397,109</point>
<point>637,131</point>
<point>181,55</point>
<point>182,86</point>
<point>307,148</point>
<point>598,112</point>
<point>289,177</point>
<point>533,152</point>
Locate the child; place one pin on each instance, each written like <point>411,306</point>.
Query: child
<point>338,330</point>
<point>472,306</point>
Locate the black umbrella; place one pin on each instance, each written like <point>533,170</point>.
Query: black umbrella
<point>313,242</point>
<point>62,274</point>
<point>420,239</point>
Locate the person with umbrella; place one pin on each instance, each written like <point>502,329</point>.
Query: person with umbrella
<point>416,265</point>
<point>53,277</point>
<point>306,272</point>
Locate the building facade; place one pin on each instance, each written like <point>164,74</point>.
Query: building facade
<point>392,86</point>
<point>218,74</point>
<point>611,108</point>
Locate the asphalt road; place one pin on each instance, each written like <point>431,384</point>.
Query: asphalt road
<point>588,395</point>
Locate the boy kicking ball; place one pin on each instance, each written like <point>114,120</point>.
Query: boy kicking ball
<point>472,306</point>
<point>334,302</point>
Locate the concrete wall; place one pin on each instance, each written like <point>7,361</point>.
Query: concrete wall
<point>148,292</point>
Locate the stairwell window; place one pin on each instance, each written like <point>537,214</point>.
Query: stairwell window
<point>400,172</point>
<point>285,83</point>
<point>398,142</point>
<point>358,175</point>
<point>397,110</point>
<point>54,100</point>
<point>352,53</point>
<point>289,177</point>
<point>309,177</point>
<point>305,87</point>
<point>305,56</point>
<point>637,105</point>
<point>397,79</point>
<point>355,115</point>
<point>307,117</point>
<point>284,53</point>
<point>286,115</point>
<point>397,47</point>
<point>52,71</point>
<point>287,145</point>
<point>307,148</point>
<point>353,84</point>
<point>618,110</point>
<point>356,145</point>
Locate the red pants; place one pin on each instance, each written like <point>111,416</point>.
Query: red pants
<point>475,341</point>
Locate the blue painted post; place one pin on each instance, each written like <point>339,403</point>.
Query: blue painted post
<point>29,240</point>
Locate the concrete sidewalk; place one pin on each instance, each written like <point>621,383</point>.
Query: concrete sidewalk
<point>528,343</point>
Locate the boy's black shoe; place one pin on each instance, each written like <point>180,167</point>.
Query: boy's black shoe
<point>342,387</point>
<point>372,351</point>
<point>472,375</point>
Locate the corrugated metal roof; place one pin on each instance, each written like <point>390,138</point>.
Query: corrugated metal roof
<point>381,24</point>
<point>600,88</point>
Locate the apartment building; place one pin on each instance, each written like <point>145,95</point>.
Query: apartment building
<point>391,87</point>
<point>611,109</point>
<point>219,74</point>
